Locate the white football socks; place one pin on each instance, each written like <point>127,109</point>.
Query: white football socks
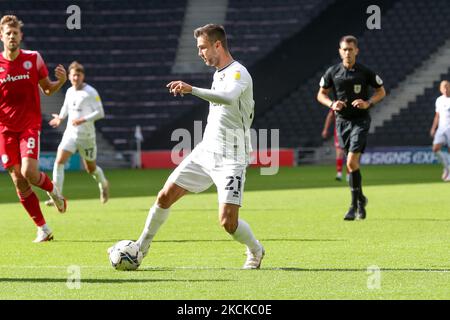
<point>44,228</point>
<point>58,176</point>
<point>244,235</point>
<point>99,176</point>
<point>442,158</point>
<point>156,217</point>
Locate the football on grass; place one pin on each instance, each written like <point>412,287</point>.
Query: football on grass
<point>125,255</point>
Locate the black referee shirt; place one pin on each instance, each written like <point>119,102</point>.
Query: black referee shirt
<point>349,85</point>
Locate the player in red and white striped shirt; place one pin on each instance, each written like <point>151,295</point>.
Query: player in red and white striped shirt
<point>22,72</point>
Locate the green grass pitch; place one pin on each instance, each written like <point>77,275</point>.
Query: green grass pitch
<point>311,253</point>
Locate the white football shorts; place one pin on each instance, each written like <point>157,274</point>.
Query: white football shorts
<point>442,137</point>
<point>87,147</point>
<point>201,169</point>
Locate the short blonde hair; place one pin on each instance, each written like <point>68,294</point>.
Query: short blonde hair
<point>12,21</point>
<point>78,67</point>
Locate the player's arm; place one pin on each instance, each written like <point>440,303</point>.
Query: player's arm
<point>324,99</point>
<point>58,118</point>
<point>435,124</point>
<point>234,90</point>
<point>97,113</point>
<point>327,124</point>
<point>50,87</point>
<point>378,95</point>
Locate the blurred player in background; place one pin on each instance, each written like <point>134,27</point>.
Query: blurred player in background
<point>83,106</point>
<point>22,72</point>
<point>440,130</point>
<point>340,155</point>
<point>223,155</point>
<point>350,82</point>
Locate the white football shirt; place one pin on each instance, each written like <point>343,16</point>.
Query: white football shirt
<point>231,112</point>
<point>443,108</point>
<point>84,103</point>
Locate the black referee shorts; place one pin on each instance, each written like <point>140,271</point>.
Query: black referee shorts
<point>352,133</point>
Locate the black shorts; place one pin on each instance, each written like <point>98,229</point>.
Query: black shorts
<point>352,133</point>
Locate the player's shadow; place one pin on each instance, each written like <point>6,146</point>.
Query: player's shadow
<point>107,281</point>
<point>291,269</point>
<point>294,269</point>
<point>262,240</point>
<point>112,241</point>
<point>410,219</point>
<point>287,269</point>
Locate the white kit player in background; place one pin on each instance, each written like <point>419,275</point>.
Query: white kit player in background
<point>223,155</point>
<point>440,129</point>
<point>83,106</point>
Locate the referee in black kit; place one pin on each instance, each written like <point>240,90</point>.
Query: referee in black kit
<point>350,83</point>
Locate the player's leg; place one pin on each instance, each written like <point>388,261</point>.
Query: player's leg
<point>344,134</point>
<point>30,202</point>
<point>339,156</point>
<point>358,140</point>
<point>447,178</point>
<point>11,159</point>
<point>88,152</point>
<point>355,181</point>
<point>339,163</point>
<point>58,168</point>
<point>440,138</point>
<point>99,176</point>
<point>437,149</point>
<point>30,170</point>
<point>29,150</point>
<point>443,159</point>
<point>230,187</point>
<point>242,233</point>
<point>62,157</point>
<point>189,176</point>
<point>159,213</point>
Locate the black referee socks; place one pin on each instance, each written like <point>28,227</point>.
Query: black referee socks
<point>355,187</point>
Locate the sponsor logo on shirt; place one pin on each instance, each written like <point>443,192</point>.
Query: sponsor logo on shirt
<point>237,75</point>
<point>2,70</point>
<point>10,78</point>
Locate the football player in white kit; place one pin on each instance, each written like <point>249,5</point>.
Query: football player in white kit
<point>440,129</point>
<point>223,155</point>
<point>83,106</point>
